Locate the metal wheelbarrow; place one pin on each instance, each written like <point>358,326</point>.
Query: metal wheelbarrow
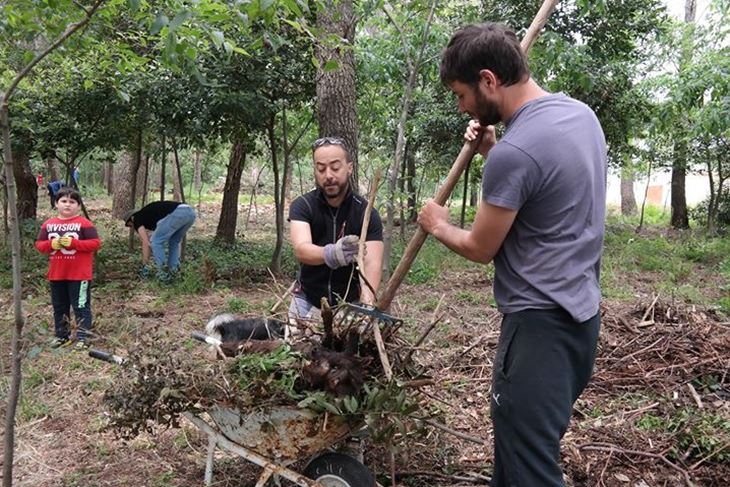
<point>275,438</point>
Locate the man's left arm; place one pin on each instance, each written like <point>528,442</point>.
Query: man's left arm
<point>146,248</point>
<point>373,262</point>
<point>482,242</point>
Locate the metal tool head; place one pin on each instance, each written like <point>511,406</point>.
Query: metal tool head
<point>358,312</point>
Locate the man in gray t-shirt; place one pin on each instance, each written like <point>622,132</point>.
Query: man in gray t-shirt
<point>541,221</point>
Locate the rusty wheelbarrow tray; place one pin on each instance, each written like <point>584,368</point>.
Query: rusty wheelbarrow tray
<point>274,438</point>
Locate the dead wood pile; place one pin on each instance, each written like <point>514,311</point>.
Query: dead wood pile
<point>658,406</point>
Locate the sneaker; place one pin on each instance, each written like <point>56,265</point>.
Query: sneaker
<point>59,342</point>
<point>164,277</point>
<point>81,345</point>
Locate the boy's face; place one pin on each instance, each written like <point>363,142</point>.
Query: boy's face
<point>67,207</point>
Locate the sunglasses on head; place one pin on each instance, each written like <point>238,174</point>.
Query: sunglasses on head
<point>328,141</point>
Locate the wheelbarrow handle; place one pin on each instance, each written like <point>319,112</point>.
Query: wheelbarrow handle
<point>106,357</point>
<point>414,245</point>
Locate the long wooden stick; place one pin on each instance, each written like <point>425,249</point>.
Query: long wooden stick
<point>462,160</point>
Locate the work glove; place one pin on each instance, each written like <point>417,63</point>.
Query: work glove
<point>145,272</point>
<point>56,244</point>
<point>342,252</point>
<point>65,241</point>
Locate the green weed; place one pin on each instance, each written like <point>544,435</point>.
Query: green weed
<point>30,408</point>
<point>238,305</point>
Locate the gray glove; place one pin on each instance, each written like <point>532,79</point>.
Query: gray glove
<point>342,252</point>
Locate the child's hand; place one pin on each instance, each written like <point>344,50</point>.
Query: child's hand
<point>56,244</point>
<point>66,241</point>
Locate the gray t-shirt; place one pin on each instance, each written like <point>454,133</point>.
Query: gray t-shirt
<point>550,166</point>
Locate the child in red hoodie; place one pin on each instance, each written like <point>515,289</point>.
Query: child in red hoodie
<point>71,241</point>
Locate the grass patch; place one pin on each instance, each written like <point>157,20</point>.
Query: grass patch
<point>430,263</point>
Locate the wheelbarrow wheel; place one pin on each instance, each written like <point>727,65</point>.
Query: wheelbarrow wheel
<point>339,470</point>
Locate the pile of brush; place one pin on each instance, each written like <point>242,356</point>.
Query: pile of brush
<point>333,366</point>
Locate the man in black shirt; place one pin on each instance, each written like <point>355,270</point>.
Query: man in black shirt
<point>325,227</point>
<point>170,221</point>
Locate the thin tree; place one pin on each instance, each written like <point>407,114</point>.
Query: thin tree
<point>14,392</point>
<point>413,68</point>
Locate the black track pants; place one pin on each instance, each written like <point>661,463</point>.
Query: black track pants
<point>544,360</point>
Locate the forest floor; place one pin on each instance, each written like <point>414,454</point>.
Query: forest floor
<point>656,412</point>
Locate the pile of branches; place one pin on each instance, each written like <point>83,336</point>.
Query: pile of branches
<point>674,358</point>
<point>332,367</point>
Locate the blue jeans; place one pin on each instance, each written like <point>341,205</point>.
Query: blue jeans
<point>169,233</point>
<point>71,294</point>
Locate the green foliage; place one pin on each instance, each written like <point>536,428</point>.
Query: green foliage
<point>31,408</point>
<point>430,262</point>
<point>700,212</point>
<point>238,305</point>
<point>271,375</point>
<point>700,434</point>
<point>673,260</point>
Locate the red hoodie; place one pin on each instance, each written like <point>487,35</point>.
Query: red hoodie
<point>75,263</point>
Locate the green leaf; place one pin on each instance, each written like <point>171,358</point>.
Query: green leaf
<point>266,5</point>
<point>179,19</point>
<point>133,5</point>
<point>293,7</point>
<point>217,37</point>
<point>88,84</point>
<point>160,21</point>
<point>240,50</point>
<point>124,96</point>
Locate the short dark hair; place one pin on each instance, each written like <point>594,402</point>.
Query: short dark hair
<point>491,46</point>
<point>70,193</point>
<point>325,141</point>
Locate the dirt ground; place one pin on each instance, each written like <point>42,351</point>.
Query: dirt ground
<point>660,386</point>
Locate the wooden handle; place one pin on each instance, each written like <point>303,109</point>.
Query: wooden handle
<point>414,245</point>
<point>462,160</point>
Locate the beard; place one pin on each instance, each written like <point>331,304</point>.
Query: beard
<point>334,190</point>
<point>486,112</point>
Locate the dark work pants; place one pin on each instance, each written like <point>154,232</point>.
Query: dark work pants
<point>71,294</point>
<point>544,360</point>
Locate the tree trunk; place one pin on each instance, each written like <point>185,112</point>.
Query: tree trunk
<point>109,177</point>
<point>27,188</point>
<point>628,198</point>
<point>146,182</point>
<point>336,95</point>
<point>680,218</point>
<point>141,186</point>
<point>163,165</point>
<point>226,231</point>
<point>411,184</point>
<point>54,172</point>
<point>123,199</point>
<point>462,218</point>
<point>177,189</point>
<point>197,171</point>
<point>275,264</point>
<point>13,393</point>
